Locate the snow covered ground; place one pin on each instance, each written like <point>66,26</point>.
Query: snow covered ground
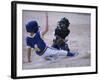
<point>78,40</point>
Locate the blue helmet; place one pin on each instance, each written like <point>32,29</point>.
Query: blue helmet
<point>32,26</point>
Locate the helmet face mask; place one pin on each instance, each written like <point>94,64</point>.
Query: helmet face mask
<point>63,23</point>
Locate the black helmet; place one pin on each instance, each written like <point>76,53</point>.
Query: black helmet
<point>63,23</point>
<point>62,28</point>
